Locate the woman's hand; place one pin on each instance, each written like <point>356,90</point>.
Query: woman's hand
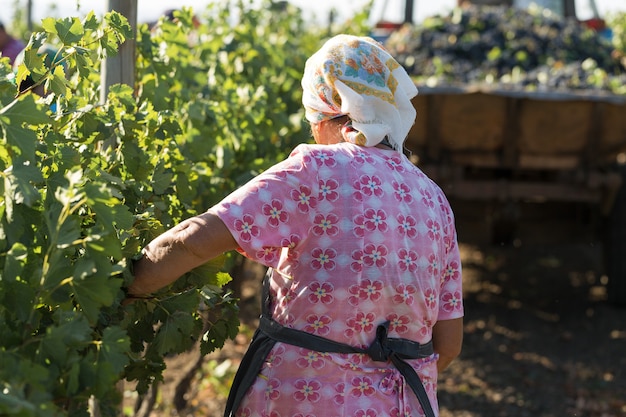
<point>191,243</point>
<point>447,341</point>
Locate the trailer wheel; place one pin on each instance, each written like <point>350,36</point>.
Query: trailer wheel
<point>615,246</point>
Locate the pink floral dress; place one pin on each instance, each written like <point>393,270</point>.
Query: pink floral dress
<point>356,236</point>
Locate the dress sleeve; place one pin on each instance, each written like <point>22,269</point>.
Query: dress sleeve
<point>451,291</point>
<point>274,210</point>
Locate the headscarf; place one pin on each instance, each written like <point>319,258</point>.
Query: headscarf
<point>357,77</point>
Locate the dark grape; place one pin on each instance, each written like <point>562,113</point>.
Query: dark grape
<point>510,48</point>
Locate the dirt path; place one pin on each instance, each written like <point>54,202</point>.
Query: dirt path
<point>539,338</point>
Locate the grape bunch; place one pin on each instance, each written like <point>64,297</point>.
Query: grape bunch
<point>510,48</point>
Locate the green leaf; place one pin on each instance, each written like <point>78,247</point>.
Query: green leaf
<point>107,245</point>
<point>22,141</point>
<point>84,63</point>
<point>15,261</point>
<point>161,179</point>
<point>90,22</point>
<point>109,211</point>
<point>18,299</point>
<point>69,30</point>
<point>119,22</point>
<point>33,62</point>
<point>58,82</point>
<point>24,179</point>
<point>115,344</point>
<point>70,334</point>
<point>73,379</point>
<point>174,336</point>
<point>14,406</point>
<point>92,290</point>
<point>23,110</point>
<point>68,232</point>
<point>225,326</point>
<point>49,25</point>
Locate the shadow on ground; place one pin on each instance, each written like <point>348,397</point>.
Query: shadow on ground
<point>540,338</point>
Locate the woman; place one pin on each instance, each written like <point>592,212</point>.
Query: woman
<point>362,249</point>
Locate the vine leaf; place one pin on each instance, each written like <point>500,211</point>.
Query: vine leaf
<point>69,30</point>
<point>173,336</point>
<point>115,344</point>
<point>94,291</point>
<point>23,110</point>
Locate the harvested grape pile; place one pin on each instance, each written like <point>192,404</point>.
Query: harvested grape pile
<point>509,48</point>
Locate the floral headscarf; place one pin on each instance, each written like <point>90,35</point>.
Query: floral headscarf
<point>355,76</point>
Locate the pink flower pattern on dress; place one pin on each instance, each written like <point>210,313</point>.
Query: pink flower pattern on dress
<point>325,158</point>
<point>286,296</point>
<point>357,261</point>
<point>362,386</point>
<point>359,226</point>
<point>362,322</point>
<point>318,324</point>
<point>268,254</point>
<point>402,192</point>
<point>365,290</point>
<point>243,412</point>
<point>368,186</point>
<point>366,413</point>
<point>433,265</point>
<point>321,292</point>
<point>427,198</point>
<point>408,260</point>
<point>375,220</point>
<point>272,391</point>
<point>246,228</point>
<point>328,190</point>
<point>326,225</point>
<point>304,198</point>
<point>452,271</point>
<point>275,213</point>
<point>353,363</point>
<point>374,255</point>
<point>398,323</point>
<point>407,226</point>
<point>338,398</point>
<point>451,301</point>
<point>404,294</point>
<point>356,237</point>
<point>430,298</point>
<point>307,390</point>
<point>434,230</point>
<point>361,158</point>
<point>275,357</point>
<point>310,358</point>
<point>323,258</point>
<point>395,163</point>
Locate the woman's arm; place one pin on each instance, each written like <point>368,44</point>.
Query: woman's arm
<point>191,243</point>
<point>447,341</point>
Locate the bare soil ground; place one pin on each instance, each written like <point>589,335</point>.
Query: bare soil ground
<point>540,338</point>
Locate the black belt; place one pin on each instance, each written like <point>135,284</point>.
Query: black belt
<point>382,349</point>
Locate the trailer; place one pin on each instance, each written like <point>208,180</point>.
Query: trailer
<point>491,145</point>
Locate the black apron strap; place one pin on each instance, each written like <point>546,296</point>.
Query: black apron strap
<point>248,370</point>
<point>382,349</point>
<point>253,359</point>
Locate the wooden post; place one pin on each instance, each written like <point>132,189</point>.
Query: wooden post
<point>120,69</point>
<point>29,16</point>
<point>408,11</point>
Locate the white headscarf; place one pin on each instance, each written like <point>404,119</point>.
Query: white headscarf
<point>356,76</point>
